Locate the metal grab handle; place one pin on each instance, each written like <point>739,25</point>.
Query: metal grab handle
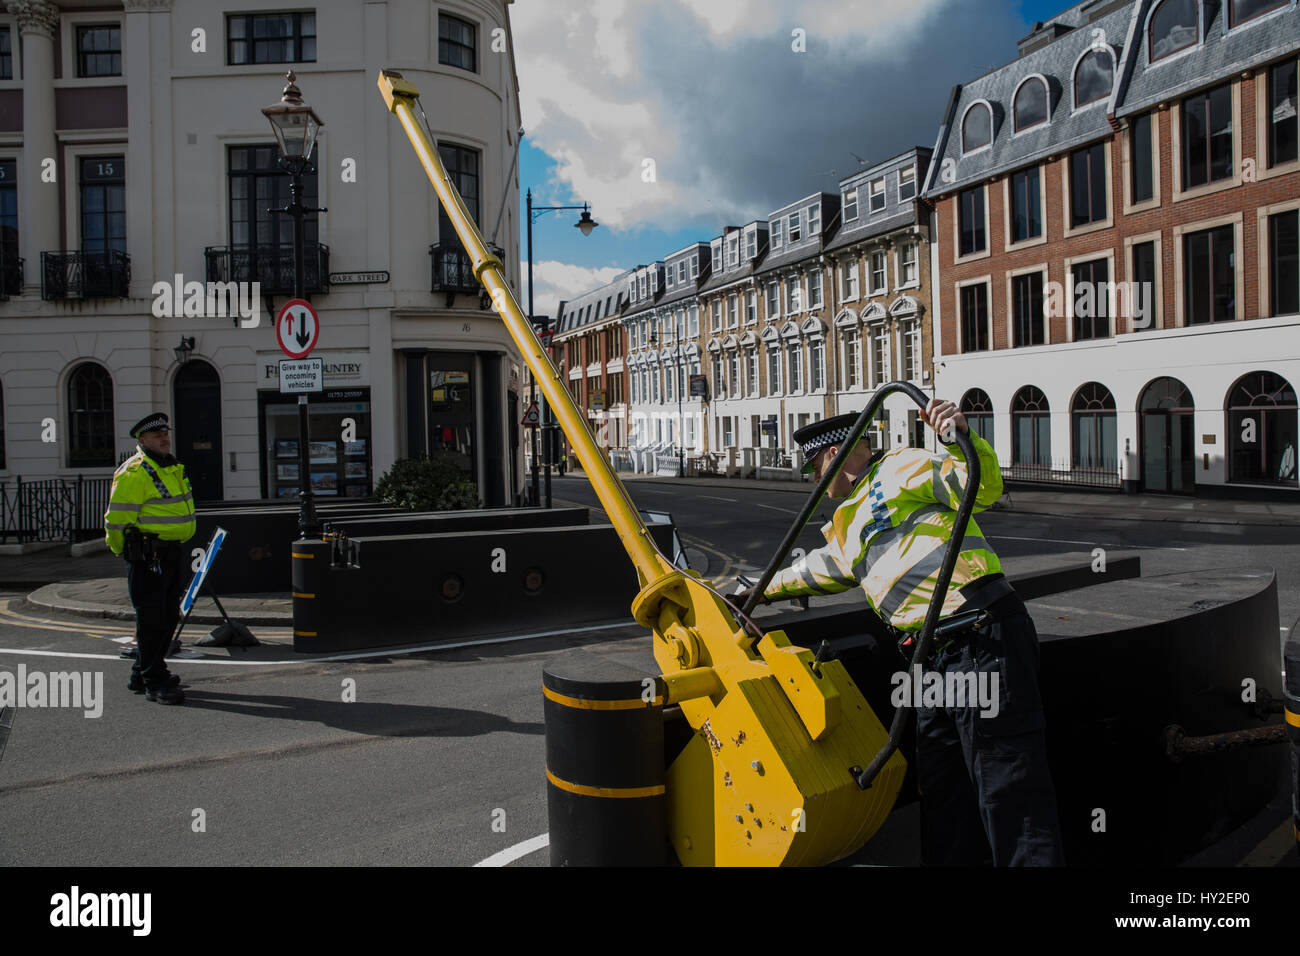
<point>922,651</point>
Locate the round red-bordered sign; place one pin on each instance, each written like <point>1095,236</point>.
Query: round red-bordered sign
<point>297,328</point>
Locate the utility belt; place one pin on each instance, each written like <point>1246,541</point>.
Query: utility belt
<point>977,611</point>
<point>146,546</point>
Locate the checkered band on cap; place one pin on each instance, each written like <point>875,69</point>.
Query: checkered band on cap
<point>834,437</point>
<point>149,423</point>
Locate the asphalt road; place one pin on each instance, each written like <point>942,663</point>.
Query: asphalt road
<point>439,758</point>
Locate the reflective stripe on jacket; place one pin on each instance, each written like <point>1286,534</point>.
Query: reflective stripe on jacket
<point>890,534</point>
<point>136,500</point>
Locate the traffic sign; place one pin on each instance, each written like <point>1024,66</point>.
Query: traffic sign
<point>297,328</point>
<point>300,376</point>
<point>532,417</point>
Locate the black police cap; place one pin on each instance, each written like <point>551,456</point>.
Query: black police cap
<point>814,437</point>
<point>150,423</point>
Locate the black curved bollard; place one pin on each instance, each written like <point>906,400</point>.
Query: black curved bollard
<point>604,763</point>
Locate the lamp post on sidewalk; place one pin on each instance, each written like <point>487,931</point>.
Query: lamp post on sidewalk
<point>585,224</point>
<point>296,126</point>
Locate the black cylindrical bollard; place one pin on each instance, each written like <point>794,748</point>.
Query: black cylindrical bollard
<point>604,763</point>
<point>1292,713</point>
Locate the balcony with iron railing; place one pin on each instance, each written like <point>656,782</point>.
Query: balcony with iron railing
<point>453,271</point>
<point>85,275</point>
<point>271,266</point>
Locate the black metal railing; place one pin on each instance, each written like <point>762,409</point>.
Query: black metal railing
<point>53,509</point>
<point>453,269</point>
<point>1108,475</point>
<point>11,270</point>
<point>85,275</point>
<point>271,266</point>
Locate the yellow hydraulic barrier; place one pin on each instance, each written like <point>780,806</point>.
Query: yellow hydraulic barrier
<point>767,779</point>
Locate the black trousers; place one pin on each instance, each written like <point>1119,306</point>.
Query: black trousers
<point>157,601</point>
<point>986,792</point>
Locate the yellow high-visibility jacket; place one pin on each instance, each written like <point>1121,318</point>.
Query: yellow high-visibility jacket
<point>890,534</point>
<point>137,500</point>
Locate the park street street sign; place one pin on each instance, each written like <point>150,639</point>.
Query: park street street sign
<point>298,376</point>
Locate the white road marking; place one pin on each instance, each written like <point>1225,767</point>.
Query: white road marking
<point>773,508</point>
<point>1095,544</point>
<point>329,658</point>
<point>730,501</point>
<point>512,853</point>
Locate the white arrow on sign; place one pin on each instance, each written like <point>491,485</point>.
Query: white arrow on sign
<point>297,328</point>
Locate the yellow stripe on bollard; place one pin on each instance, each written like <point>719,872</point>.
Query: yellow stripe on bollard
<point>584,704</point>
<point>615,793</point>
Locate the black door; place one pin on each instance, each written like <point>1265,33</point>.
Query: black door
<point>1167,438</point>
<point>196,438</point>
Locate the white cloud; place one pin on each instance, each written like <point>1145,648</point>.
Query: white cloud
<point>735,120</point>
<point>562,280</point>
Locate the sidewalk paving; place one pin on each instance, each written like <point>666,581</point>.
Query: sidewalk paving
<point>1064,503</point>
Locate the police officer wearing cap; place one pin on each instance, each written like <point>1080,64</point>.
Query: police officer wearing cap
<point>986,793</point>
<point>150,517</point>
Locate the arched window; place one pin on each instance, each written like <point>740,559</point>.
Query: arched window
<point>976,128</point>
<point>1092,421</point>
<point>1093,77</point>
<point>1174,26</point>
<point>1243,10</point>
<point>1031,104</point>
<point>1262,426</point>
<point>1031,428</point>
<point>1167,394</point>
<point>978,410</point>
<point>90,417</point>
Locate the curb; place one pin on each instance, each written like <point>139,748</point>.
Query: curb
<point>36,602</point>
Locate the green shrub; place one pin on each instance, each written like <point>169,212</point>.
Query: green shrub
<point>427,484</point>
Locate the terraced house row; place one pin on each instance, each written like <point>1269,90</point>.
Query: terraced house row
<point>733,344</point>
<point>1098,260</point>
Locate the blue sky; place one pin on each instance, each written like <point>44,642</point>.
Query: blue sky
<point>735,120</point>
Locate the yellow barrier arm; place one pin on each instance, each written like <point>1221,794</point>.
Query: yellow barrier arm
<point>768,777</point>
<point>400,95</point>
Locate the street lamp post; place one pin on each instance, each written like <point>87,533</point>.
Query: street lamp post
<point>680,436</point>
<point>586,224</point>
<point>296,126</point>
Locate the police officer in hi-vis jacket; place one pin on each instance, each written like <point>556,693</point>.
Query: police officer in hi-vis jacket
<point>983,776</point>
<point>150,517</point>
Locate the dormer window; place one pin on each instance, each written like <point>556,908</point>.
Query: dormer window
<point>733,251</point>
<point>1243,10</point>
<point>907,184</point>
<point>640,285</point>
<point>1175,25</point>
<point>778,233</point>
<point>850,204</point>
<point>681,272</point>
<point>878,195</point>
<point>1093,77</point>
<point>671,277</point>
<point>795,232</point>
<point>654,281</point>
<point>977,128</point>
<point>814,220</point>
<point>695,266</point>
<point>751,244</point>
<point>715,248</point>
<point>1031,104</point>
